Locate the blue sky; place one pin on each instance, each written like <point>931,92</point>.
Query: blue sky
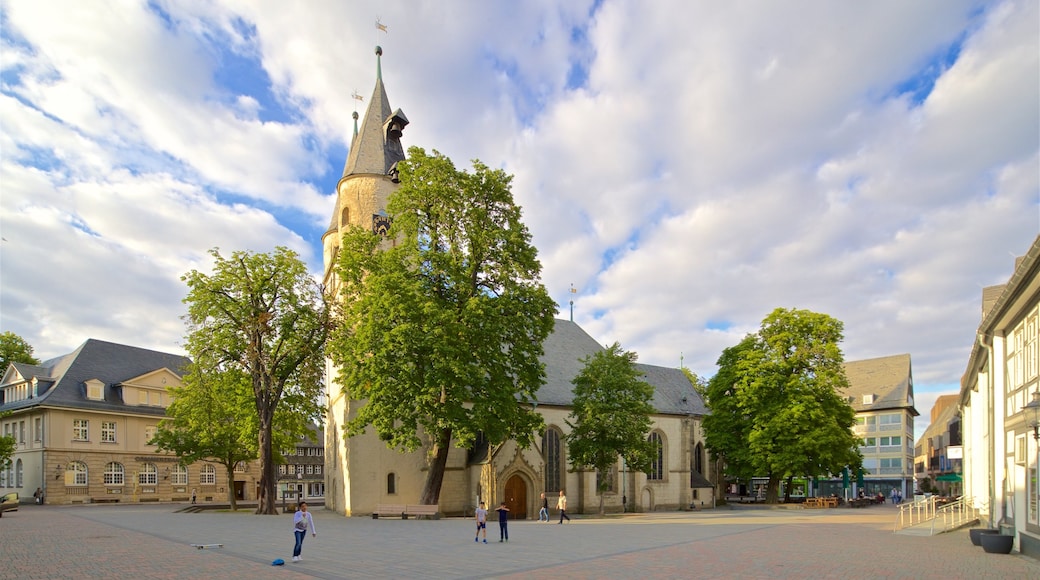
<point>687,166</point>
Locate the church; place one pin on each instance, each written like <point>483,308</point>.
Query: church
<point>362,473</point>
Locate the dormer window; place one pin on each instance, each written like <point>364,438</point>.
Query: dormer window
<point>95,390</point>
<point>868,399</point>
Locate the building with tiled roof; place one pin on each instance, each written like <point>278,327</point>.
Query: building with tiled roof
<point>82,422</point>
<point>1001,433</point>
<point>362,473</point>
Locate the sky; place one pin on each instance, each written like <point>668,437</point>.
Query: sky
<point>685,166</point>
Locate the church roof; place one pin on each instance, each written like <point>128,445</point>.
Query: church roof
<point>569,344</point>
<point>62,380</point>
<point>881,383</point>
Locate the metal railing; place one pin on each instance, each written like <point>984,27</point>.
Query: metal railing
<point>920,510</point>
<point>955,514</point>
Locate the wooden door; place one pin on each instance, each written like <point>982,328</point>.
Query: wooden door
<point>516,498</point>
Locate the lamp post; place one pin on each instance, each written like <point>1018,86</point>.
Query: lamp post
<point>1032,410</point>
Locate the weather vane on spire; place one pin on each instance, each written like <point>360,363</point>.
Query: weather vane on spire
<point>381,26</point>
<point>573,291</point>
<point>357,98</point>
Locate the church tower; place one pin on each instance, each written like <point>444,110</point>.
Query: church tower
<point>369,177</point>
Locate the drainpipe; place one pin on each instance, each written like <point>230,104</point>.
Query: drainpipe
<point>990,427</point>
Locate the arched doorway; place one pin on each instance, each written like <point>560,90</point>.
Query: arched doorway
<point>516,498</point>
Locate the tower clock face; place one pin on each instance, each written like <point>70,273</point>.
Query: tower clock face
<point>381,224</point>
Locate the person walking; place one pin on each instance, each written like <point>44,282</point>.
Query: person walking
<point>503,520</point>
<point>561,504</point>
<point>301,521</point>
<point>194,494</point>
<point>543,514</point>
<point>481,523</point>
<point>38,495</point>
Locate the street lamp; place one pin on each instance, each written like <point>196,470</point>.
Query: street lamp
<point>1032,410</point>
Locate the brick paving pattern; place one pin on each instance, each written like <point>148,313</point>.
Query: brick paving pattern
<point>142,542</point>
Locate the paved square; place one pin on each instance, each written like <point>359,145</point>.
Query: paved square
<point>129,541</point>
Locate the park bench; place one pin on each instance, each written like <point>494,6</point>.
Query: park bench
<point>812,503</point>
<point>404,511</point>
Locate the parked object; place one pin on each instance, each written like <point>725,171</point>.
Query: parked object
<point>8,503</point>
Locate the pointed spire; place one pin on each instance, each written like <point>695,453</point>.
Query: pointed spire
<point>376,147</point>
<point>355,115</point>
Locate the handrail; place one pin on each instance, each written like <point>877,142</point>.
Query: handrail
<point>915,512</point>
<point>955,514</point>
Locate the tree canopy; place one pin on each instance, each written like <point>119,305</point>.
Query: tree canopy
<point>441,328</point>
<point>15,349</point>
<point>611,413</point>
<point>264,316</point>
<point>776,407</point>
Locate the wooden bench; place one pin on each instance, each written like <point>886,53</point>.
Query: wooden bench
<point>402,510</point>
<point>389,509</point>
<point>811,503</point>
<point>431,511</point>
<point>829,502</point>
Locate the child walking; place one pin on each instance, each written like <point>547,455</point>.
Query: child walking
<point>481,523</point>
<point>301,520</point>
<point>503,518</point>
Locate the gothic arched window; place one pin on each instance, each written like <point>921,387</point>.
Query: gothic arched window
<point>553,453</point>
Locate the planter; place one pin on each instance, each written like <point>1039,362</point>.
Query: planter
<point>997,543</point>
<point>976,533</point>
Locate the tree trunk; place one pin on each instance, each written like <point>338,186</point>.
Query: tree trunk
<point>773,489</point>
<point>231,486</point>
<point>267,503</point>
<point>431,493</point>
<point>787,489</point>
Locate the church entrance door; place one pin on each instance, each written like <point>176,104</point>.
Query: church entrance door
<point>516,498</point>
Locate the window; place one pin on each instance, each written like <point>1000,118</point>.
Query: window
<point>698,458</point>
<point>114,473</point>
<point>108,431</point>
<point>281,470</point>
<point>310,470</point>
<point>317,470</point>
<point>149,474</point>
<point>180,475</point>
<point>316,489</point>
<point>292,469</point>
<point>149,434</point>
<point>38,429</point>
<point>553,459</point>
<point>80,430</point>
<point>18,472</point>
<point>891,441</point>
<point>391,483</point>
<point>21,433</point>
<point>1020,449</point>
<point>76,473</point>
<point>891,463</point>
<point>656,472</point>
<point>208,475</point>
<point>95,390</point>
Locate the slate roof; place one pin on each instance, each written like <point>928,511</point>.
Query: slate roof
<point>62,380</point>
<point>888,378</point>
<point>569,344</point>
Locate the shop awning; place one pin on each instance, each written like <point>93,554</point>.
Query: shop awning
<point>949,477</point>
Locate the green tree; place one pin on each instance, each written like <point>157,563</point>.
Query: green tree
<point>15,349</point>
<point>7,445</point>
<point>777,395</point>
<point>264,315</point>
<point>211,418</point>
<point>611,415</point>
<point>441,329</point>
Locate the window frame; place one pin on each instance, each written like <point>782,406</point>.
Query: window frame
<point>115,474</point>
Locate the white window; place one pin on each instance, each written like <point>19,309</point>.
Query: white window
<point>208,475</point>
<point>21,432</point>
<point>317,470</point>
<point>180,475</point>
<point>292,470</point>
<point>1020,449</point>
<point>80,430</point>
<point>316,490</point>
<point>18,472</point>
<point>149,474</point>
<point>281,470</point>
<point>108,431</point>
<point>38,429</point>
<point>76,473</point>
<point>114,473</point>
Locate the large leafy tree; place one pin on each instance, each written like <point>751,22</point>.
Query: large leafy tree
<point>15,349</point>
<point>776,407</point>
<point>264,316</point>
<point>442,328</point>
<point>212,418</point>
<point>611,415</point>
